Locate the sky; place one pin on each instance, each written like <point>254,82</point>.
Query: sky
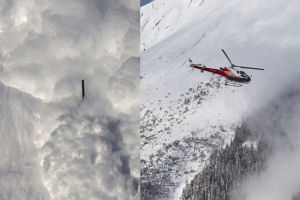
<point>144,2</point>
<point>74,149</point>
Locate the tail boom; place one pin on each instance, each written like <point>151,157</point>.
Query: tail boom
<point>214,71</point>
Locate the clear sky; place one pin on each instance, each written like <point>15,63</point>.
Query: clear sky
<point>144,2</point>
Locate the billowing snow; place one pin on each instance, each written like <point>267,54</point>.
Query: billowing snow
<point>54,146</point>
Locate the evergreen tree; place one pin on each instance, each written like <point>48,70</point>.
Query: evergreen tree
<point>227,168</point>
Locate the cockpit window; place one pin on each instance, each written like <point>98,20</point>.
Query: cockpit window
<point>243,74</point>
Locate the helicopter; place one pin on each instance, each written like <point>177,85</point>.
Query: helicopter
<point>233,76</point>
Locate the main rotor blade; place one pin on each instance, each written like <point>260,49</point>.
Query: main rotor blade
<point>248,67</point>
<point>227,57</point>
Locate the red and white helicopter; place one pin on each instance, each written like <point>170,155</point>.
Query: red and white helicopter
<point>233,76</point>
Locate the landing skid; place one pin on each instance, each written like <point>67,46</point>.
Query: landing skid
<point>232,83</point>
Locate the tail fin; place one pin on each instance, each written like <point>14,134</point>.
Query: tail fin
<point>190,60</point>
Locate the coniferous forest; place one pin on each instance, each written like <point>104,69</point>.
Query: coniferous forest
<point>222,177</point>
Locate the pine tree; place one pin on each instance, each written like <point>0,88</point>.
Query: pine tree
<point>227,168</point>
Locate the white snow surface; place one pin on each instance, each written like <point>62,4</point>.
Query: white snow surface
<point>172,32</point>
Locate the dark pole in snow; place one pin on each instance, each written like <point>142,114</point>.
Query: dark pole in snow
<point>83,93</point>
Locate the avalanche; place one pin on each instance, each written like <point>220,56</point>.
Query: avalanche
<point>54,145</point>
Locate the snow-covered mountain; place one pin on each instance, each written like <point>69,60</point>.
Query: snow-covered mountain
<point>185,114</point>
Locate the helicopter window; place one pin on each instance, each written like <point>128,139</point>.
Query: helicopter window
<point>243,74</point>
<point>238,72</point>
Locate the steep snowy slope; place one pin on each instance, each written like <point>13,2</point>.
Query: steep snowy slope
<point>160,19</point>
<point>185,114</point>
<point>20,174</point>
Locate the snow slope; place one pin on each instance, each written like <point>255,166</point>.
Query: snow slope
<point>181,106</point>
<point>20,174</point>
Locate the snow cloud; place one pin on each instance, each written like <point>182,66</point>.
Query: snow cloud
<point>83,150</point>
<point>279,124</point>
